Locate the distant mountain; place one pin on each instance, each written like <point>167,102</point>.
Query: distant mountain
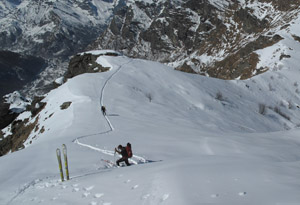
<point>52,30</point>
<point>214,38</point>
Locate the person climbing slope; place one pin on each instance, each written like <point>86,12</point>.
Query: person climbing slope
<point>126,153</point>
<point>103,109</point>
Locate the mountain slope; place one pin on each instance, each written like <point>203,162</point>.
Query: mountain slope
<point>52,30</point>
<point>195,139</point>
<point>213,38</point>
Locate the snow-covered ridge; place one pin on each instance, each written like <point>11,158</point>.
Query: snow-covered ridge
<point>102,52</point>
<point>201,140</point>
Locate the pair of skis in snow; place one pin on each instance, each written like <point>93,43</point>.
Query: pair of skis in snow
<point>58,154</point>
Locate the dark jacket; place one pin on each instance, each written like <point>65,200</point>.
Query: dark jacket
<point>123,152</point>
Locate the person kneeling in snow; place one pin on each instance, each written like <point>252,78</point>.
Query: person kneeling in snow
<point>122,151</point>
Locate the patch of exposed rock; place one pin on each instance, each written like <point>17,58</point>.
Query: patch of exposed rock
<point>20,130</point>
<point>36,105</point>
<point>15,142</point>
<point>6,116</point>
<point>84,63</point>
<point>65,105</point>
<point>243,64</point>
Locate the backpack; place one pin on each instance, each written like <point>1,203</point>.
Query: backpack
<point>129,151</point>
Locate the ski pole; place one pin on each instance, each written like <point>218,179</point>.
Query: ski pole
<point>115,156</point>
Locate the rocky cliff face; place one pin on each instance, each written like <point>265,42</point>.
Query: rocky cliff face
<point>200,36</point>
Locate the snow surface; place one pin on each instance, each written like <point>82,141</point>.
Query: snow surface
<point>17,102</point>
<point>196,140</point>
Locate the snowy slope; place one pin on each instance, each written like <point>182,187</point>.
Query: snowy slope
<point>196,140</point>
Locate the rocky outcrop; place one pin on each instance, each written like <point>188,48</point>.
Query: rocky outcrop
<point>36,105</point>
<point>65,105</point>
<point>84,63</point>
<point>6,116</point>
<point>20,129</point>
<point>242,64</point>
<point>15,141</point>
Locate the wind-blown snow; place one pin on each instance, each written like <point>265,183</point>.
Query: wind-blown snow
<point>195,140</point>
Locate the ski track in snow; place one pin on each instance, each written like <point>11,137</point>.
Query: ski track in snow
<point>108,152</point>
<point>74,188</point>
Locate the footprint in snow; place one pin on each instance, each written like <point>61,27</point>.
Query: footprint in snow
<point>75,189</point>
<point>89,188</point>
<point>54,198</point>
<point>86,194</point>
<point>93,203</point>
<point>127,181</point>
<point>40,186</point>
<point>98,195</point>
<point>242,193</point>
<point>146,196</point>
<point>214,195</point>
<point>165,197</point>
<point>107,203</point>
<point>34,199</point>
<point>135,187</point>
